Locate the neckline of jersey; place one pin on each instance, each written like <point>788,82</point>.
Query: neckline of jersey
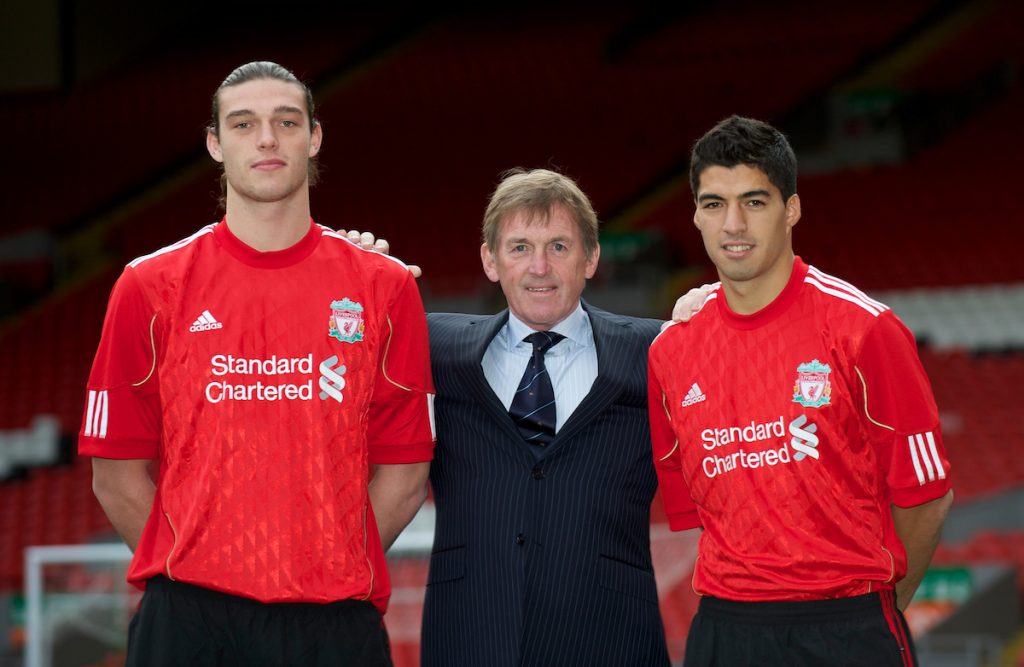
<point>275,259</point>
<point>773,310</point>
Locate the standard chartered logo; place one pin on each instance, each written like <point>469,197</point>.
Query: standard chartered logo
<point>273,379</point>
<point>331,382</point>
<point>804,441</point>
<point>761,444</point>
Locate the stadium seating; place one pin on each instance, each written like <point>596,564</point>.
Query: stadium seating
<point>986,547</point>
<point>977,398</point>
<point>116,134</point>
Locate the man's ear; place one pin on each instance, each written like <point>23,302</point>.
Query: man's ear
<point>490,266</point>
<point>591,265</point>
<point>316,140</point>
<point>792,210</point>
<point>213,146</point>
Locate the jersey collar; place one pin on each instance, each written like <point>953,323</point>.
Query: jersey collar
<point>276,259</point>
<point>777,307</point>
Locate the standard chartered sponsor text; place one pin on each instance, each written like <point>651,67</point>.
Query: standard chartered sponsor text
<point>225,364</point>
<point>767,433</point>
<point>717,465</point>
<point>753,432</point>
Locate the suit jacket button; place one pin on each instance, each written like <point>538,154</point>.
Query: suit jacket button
<point>538,473</point>
<point>520,539</point>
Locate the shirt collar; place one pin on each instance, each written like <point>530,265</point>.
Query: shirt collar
<point>575,327</point>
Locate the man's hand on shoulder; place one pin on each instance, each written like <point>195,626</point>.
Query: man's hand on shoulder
<point>688,304</point>
<point>366,241</point>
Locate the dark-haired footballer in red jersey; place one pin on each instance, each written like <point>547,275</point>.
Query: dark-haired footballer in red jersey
<point>792,421</point>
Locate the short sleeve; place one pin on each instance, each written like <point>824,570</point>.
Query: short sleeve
<point>121,419</point>
<point>401,419</point>
<point>901,414</point>
<point>675,493</point>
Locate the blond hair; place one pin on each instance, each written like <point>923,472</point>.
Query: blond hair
<point>537,192</point>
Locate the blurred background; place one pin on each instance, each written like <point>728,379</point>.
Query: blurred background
<point>906,117</point>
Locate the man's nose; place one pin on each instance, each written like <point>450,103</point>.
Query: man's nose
<point>539,263</point>
<point>267,137</point>
<point>735,221</point>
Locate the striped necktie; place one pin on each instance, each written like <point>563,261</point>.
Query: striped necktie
<point>533,407</point>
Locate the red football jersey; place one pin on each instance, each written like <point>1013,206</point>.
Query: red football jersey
<point>786,434</point>
<point>266,384</point>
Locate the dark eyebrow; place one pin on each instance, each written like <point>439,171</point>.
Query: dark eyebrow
<point>250,112</point>
<point>750,194</point>
<point>238,112</point>
<point>708,196</point>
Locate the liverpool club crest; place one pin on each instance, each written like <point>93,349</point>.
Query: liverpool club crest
<point>347,323</point>
<point>813,388</point>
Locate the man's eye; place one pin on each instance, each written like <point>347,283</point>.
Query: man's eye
<point>289,123</point>
<point>242,126</point>
<point>519,248</point>
<point>558,247</point>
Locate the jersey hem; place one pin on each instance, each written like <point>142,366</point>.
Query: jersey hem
<point>683,520</point>
<point>419,452</point>
<point>116,449</point>
<point>913,497</point>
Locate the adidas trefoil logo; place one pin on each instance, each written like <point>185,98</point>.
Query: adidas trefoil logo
<point>205,322</point>
<point>695,395</point>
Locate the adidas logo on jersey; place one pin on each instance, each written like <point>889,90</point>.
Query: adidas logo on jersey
<point>695,395</point>
<point>205,322</point>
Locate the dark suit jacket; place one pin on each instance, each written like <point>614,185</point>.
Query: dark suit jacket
<point>542,562</point>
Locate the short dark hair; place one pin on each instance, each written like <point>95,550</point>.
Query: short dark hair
<point>262,69</point>
<point>754,143</point>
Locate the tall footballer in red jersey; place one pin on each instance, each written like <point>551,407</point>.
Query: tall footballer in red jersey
<point>267,365</point>
<point>792,421</point>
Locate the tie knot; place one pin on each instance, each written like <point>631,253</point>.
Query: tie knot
<point>543,341</point>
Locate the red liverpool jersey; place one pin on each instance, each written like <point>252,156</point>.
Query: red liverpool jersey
<point>265,384</point>
<point>786,434</point>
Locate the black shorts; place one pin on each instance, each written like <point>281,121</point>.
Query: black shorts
<point>867,630</point>
<point>181,624</point>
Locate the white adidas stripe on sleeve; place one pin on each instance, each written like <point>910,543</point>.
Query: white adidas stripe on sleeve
<point>96,414</point>
<point>926,454</point>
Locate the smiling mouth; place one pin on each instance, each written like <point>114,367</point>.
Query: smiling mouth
<point>539,289</point>
<point>738,247</point>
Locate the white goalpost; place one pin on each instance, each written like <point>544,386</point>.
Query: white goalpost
<point>78,604</point>
<point>89,599</point>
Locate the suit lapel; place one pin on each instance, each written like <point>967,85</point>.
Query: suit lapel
<point>613,361</point>
<point>477,335</point>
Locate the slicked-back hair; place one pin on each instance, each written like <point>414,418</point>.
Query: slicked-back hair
<point>255,71</point>
<point>536,192</point>
<point>754,143</point>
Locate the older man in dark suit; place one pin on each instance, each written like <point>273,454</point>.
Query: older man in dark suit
<point>542,477</point>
